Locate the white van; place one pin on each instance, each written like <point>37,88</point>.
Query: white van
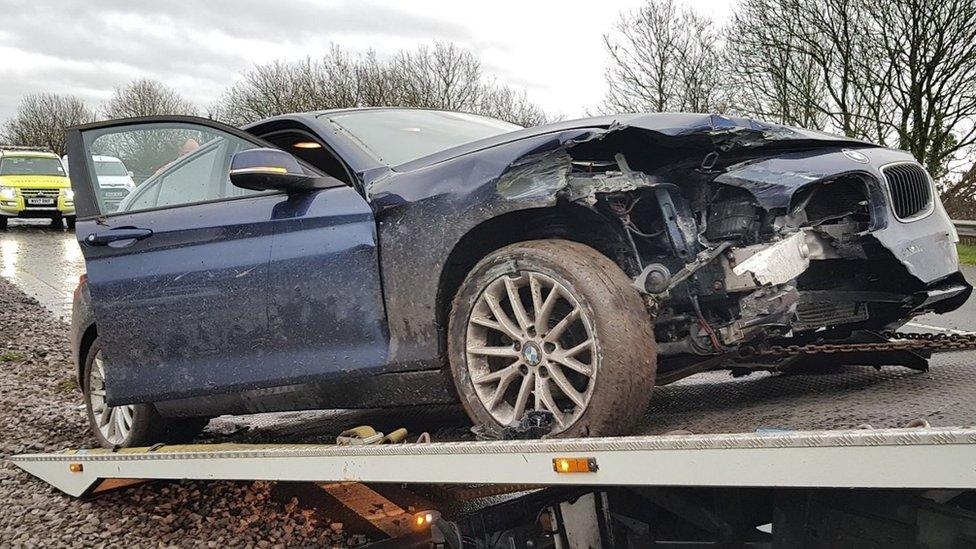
<point>114,179</point>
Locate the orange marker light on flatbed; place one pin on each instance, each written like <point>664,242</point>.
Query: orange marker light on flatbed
<point>76,467</point>
<point>574,465</point>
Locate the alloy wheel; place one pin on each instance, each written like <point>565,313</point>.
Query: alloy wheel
<point>114,422</point>
<point>530,346</point>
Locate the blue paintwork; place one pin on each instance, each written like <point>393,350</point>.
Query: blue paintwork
<point>189,301</point>
<point>325,305</point>
<point>262,291</point>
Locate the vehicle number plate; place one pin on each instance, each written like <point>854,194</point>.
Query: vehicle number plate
<point>40,201</point>
<point>115,194</point>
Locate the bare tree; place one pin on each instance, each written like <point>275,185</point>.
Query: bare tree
<point>269,90</point>
<point>511,105</point>
<point>446,77</point>
<point>42,118</point>
<point>766,71</point>
<point>959,196</point>
<point>931,49</point>
<point>898,72</point>
<point>439,76</point>
<point>146,97</point>
<point>662,58</point>
<point>143,151</point>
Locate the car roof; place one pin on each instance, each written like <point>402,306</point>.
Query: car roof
<point>27,152</point>
<point>105,158</point>
<point>673,124</point>
<point>330,112</point>
<point>362,109</point>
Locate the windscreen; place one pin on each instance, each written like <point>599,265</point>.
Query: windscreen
<point>31,165</point>
<point>398,136</point>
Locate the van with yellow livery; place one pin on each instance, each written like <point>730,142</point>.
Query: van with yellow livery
<point>34,184</point>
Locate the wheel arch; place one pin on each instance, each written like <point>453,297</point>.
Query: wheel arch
<point>564,221</point>
<point>84,346</point>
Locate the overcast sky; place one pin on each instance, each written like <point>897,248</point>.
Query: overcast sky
<point>553,49</point>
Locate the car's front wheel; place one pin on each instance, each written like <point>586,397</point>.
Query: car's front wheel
<point>129,425</point>
<point>554,326</point>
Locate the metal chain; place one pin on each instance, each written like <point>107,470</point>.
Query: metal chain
<point>897,341</point>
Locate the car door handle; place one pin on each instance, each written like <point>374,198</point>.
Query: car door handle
<point>114,235</point>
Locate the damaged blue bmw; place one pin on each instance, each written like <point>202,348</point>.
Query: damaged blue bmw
<point>385,258</point>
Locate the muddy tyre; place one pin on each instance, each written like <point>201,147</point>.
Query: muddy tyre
<point>551,325</point>
<point>132,425</point>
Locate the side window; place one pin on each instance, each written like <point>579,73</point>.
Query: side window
<point>195,180</point>
<point>160,165</point>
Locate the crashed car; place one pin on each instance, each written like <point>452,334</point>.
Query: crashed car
<point>397,257</point>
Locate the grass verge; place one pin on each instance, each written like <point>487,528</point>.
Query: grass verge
<point>967,254</point>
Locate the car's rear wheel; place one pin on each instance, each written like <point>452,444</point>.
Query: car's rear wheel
<point>129,425</point>
<point>554,326</point>
<point>3,223</point>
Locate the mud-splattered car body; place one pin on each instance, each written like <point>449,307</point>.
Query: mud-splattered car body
<point>735,231</point>
<point>669,189</point>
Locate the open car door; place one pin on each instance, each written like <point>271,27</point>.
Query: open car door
<point>178,265</point>
<point>201,288</point>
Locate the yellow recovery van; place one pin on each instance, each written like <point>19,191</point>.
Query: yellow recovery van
<point>34,184</point>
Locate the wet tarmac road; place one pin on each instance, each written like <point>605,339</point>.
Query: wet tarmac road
<point>43,261</point>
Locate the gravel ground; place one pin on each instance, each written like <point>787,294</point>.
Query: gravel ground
<point>39,412</point>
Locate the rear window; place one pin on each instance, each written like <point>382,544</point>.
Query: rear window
<point>30,165</point>
<point>110,168</point>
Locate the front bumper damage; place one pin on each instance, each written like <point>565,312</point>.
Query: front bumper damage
<point>777,301</point>
<point>916,263</point>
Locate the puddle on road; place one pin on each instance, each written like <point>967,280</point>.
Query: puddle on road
<point>43,261</point>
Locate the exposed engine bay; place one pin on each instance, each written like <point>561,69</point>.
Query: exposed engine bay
<point>742,240</point>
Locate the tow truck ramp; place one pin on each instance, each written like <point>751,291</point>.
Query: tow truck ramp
<point>618,491</point>
<point>941,458</point>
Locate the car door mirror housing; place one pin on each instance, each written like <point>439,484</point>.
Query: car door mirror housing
<point>272,169</point>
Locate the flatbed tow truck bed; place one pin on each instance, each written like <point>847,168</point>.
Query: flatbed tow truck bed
<point>790,465</point>
<point>755,482</point>
<point>839,459</point>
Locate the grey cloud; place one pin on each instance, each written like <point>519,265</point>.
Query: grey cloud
<point>85,30</point>
<point>190,41</point>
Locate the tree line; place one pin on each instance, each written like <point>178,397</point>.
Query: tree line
<point>437,76</point>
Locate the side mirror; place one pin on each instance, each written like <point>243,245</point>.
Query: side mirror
<point>273,169</point>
